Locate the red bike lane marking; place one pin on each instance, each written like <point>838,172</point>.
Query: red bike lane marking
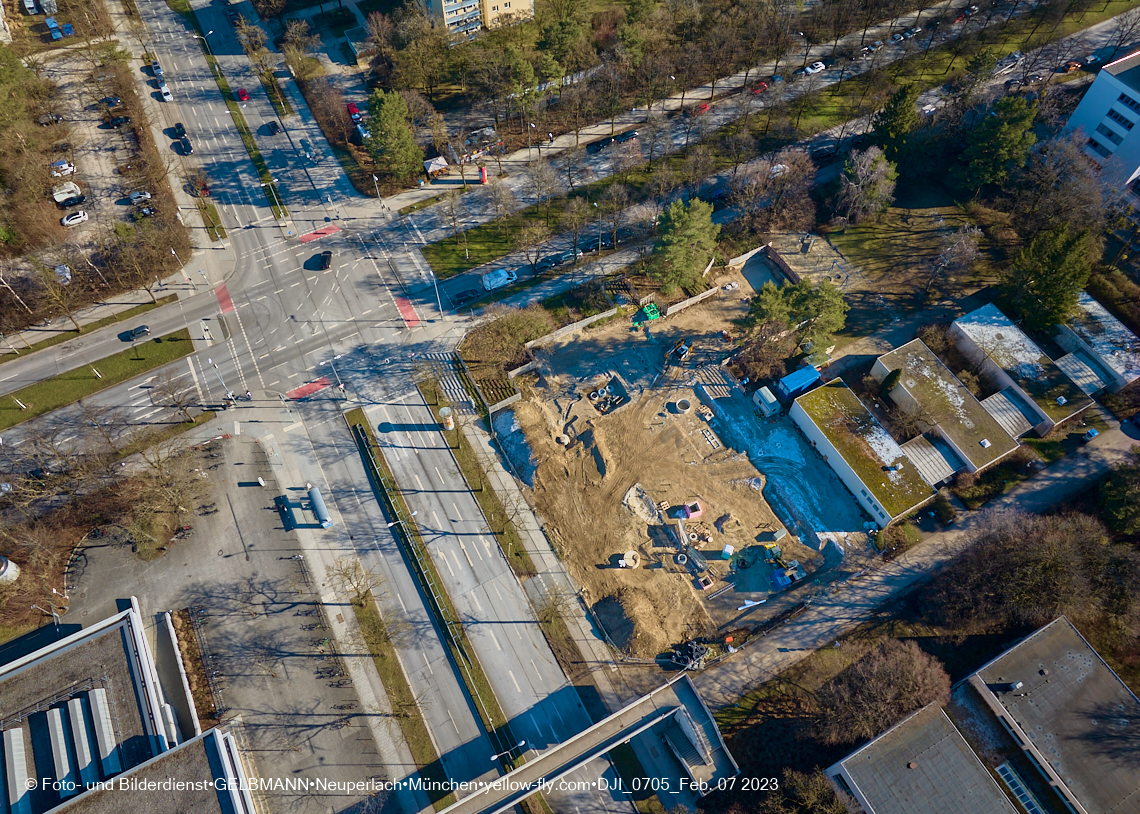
<point>411,318</point>
<point>223,295</point>
<point>308,389</point>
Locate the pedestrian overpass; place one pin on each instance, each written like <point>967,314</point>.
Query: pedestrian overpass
<point>674,711</point>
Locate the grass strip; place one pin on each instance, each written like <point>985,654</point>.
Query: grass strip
<point>490,713</point>
<point>67,388</point>
<point>494,512</point>
<point>277,98</point>
<point>213,222</point>
<point>405,708</point>
<point>59,339</point>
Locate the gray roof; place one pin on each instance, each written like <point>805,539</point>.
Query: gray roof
<point>1113,343</point>
<point>1085,376</point>
<point>1009,411</point>
<point>934,461</point>
<point>946,778</point>
<point>1077,713</point>
<point>1126,69</point>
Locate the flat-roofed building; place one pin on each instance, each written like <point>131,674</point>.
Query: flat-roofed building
<point>1107,116</point>
<point>1106,346</point>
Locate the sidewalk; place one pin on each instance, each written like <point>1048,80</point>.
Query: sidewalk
<point>836,613</point>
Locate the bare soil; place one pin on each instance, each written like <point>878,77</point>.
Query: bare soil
<point>600,493</point>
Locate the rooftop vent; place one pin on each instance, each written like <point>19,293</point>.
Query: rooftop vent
<point>986,443</point>
<point>912,765</point>
<point>1062,400</point>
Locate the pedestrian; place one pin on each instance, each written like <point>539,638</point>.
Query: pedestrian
<point>551,135</point>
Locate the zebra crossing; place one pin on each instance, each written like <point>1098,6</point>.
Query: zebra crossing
<point>445,367</point>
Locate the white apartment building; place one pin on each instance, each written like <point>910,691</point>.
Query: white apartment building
<point>1108,114</point>
<point>464,18</point>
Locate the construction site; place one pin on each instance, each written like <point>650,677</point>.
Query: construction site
<point>656,503</point>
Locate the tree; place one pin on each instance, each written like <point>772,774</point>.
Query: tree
<point>688,238</point>
<point>174,390</point>
<point>896,121</point>
<point>1123,30</point>
<point>1057,185</point>
<point>959,251</point>
<point>503,201</point>
<point>575,215</point>
<point>879,690</point>
<point>349,576</point>
<point>867,185</point>
<point>1000,142</point>
<point>542,184</point>
<point>530,239</point>
<point>1120,495</point>
<point>391,143</point>
<point>1048,275</point>
<point>615,207</point>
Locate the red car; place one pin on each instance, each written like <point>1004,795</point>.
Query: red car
<point>759,88</point>
<point>697,110</point>
<point>353,112</point>
<point>243,95</point>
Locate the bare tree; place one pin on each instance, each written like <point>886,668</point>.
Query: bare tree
<point>575,215</point>
<point>542,184</point>
<point>349,576</point>
<point>503,201</point>
<point>879,690</point>
<point>959,251</point>
<point>867,185</point>
<point>172,389</point>
<point>109,423</point>
<point>1123,31</point>
<point>697,165</point>
<point>615,208</point>
<point>453,207</point>
<point>530,238</point>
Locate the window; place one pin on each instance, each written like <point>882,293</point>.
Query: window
<point>1099,148</point>
<point>1108,134</point>
<point>1128,101</point>
<point>1121,120</point>
<point>494,8</point>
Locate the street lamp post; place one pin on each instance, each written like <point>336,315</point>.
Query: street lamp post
<point>518,745</point>
<point>329,362</point>
<point>205,42</point>
<point>54,615</point>
<point>276,200</point>
<point>376,183</point>
<point>218,373</point>
<point>400,522</point>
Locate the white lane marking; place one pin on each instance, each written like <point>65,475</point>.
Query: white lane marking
<point>445,562</point>
<point>435,517</point>
<point>427,663</point>
<point>458,516</point>
<point>518,689</point>
<point>419,483</point>
<point>457,563</point>
<point>495,640</point>
<point>463,548</point>
<point>452,722</point>
<point>475,597</point>
<point>436,468</point>
<point>537,674</point>
<point>486,545</point>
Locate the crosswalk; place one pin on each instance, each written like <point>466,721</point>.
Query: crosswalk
<point>446,367</point>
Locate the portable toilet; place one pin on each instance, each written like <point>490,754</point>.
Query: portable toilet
<point>727,553</point>
<point>767,402</point>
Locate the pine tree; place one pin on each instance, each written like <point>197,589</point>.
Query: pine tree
<point>1048,275</point>
<point>688,237</point>
<point>999,143</point>
<point>896,121</point>
<point>391,144</point>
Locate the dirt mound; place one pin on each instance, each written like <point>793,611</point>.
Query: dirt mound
<point>638,501</point>
<point>622,616</point>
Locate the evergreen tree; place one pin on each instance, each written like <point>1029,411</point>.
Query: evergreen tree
<point>1048,275</point>
<point>999,143</point>
<point>688,237</point>
<point>392,144</point>
<point>896,121</point>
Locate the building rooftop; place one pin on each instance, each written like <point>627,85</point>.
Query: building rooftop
<point>1114,344</point>
<point>1077,714</point>
<point>923,765</point>
<point>1126,69</point>
<point>1008,409</point>
<point>948,403</point>
<point>1024,362</point>
<point>866,447</point>
<point>933,458</point>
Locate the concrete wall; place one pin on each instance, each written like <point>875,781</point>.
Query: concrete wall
<point>846,474</point>
<point>784,268</point>
<point>566,330</point>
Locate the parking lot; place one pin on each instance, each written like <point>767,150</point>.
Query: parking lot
<point>268,653</point>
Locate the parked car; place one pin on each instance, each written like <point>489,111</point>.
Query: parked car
<point>179,130</point>
<point>111,101</point>
<point>590,244</point>
<point>697,110</point>
<point>156,69</point>
<point>595,147</point>
<point>147,211</point>
<point>135,333</point>
<point>910,33</point>
<point>243,94</point>
<point>759,88</point>
<point>628,135</point>
<point>814,68</point>
<point>326,260</point>
<point>139,197</point>
<point>202,191</point>
<point>187,147</point>
<point>119,121</point>
<point>274,127</point>
<point>234,16</point>
<point>74,200</point>
<point>545,264</point>
<point>165,91</point>
<point>74,219</point>
<point>1070,67</point>
<point>500,278</point>
<point>64,191</point>
<point>60,169</point>
<point>876,45</point>
<point>63,273</point>
<point>354,112</point>
<point>971,10</point>
<point>49,119</point>
<point>307,149</point>
<point>896,37</point>
<point>466,296</point>
<point>568,256</point>
<point>959,17</point>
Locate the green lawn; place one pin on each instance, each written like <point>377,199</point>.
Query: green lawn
<point>92,326</point>
<point>67,388</point>
<point>212,220</point>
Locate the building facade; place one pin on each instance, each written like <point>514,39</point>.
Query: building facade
<point>464,18</point>
<point>1107,116</point>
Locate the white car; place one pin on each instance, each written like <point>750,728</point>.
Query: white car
<point>498,279</point>
<point>61,168</point>
<point>815,67</point>
<point>74,219</point>
<point>165,91</point>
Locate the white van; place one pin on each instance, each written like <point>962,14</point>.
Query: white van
<point>498,279</point>
<point>64,191</point>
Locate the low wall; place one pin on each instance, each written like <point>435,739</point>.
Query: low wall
<point>566,330</point>
<point>683,304</point>
<point>784,268</point>
<point>737,263</point>
<point>507,402</point>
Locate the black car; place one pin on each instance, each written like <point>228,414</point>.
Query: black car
<point>467,296</point>
<point>111,101</point>
<point>628,135</point>
<point>598,146</point>
<point>179,130</point>
<point>274,128</point>
<point>74,200</point>
<point>187,147</point>
<point>326,260</point>
<point>119,121</point>
<point>590,244</point>
<point>545,264</point>
<point>234,16</point>
<point>567,256</point>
